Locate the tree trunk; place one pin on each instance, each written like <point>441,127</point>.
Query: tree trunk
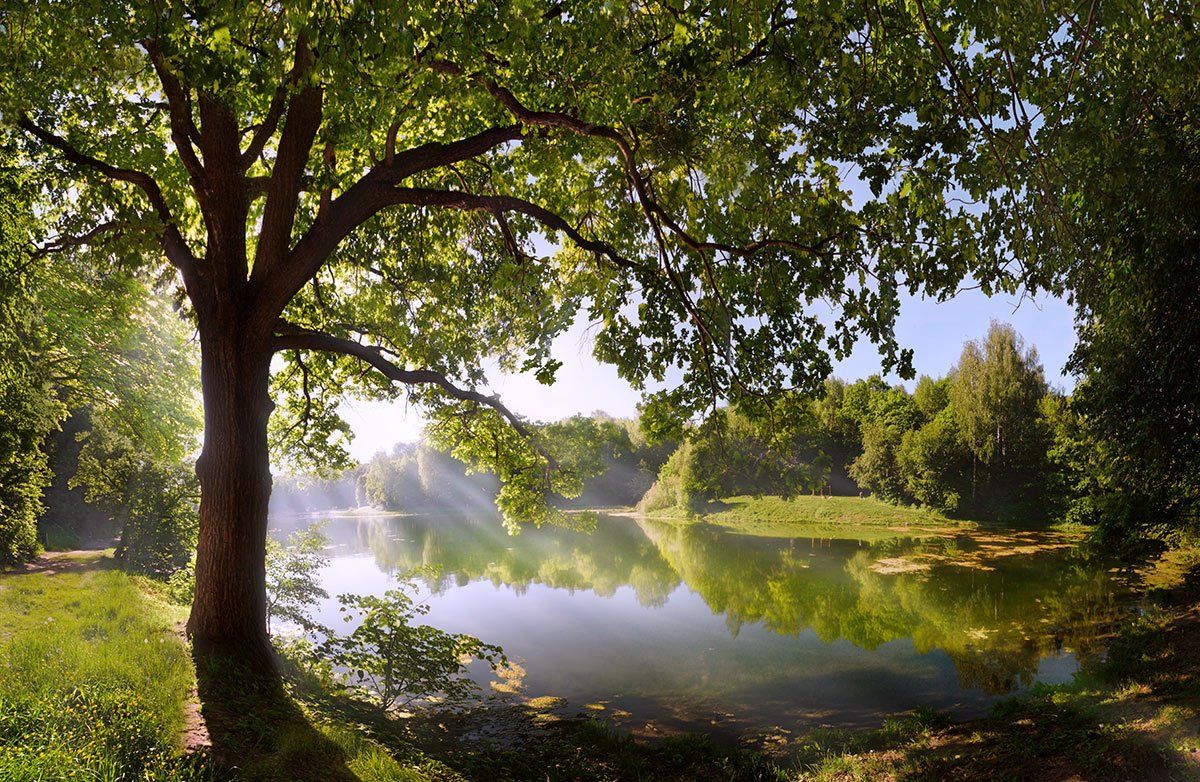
<point>229,611</point>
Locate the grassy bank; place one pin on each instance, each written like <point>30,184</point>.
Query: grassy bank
<point>1136,718</point>
<point>93,677</point>
<point>862,518</point>
<point>96,684</point>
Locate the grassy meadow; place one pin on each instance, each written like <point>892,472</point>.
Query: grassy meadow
<point>93,676</point>
<point>861,518</point>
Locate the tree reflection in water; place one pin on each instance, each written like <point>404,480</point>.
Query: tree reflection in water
<point>996,604</point>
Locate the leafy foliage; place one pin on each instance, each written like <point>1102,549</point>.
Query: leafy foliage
<point>612,463</point>
<point>615,460</point>
<point>135,463</point>
<point>642,167</point>
<point>28,411</point>
<point>394,662</point>
<point>153,502</point>
<point>293,578</point>
<point>933,462</point>
<point>1084,168</point>
<point>974,443</point>
<point>82,333</point>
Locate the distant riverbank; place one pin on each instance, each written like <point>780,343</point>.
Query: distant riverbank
<point>851,518</point>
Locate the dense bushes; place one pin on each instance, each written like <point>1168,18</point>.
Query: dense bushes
<point>675,487</point>
<point>25,419</point>
<point>934,464</point>
<point>154,503</point>
<point>81,332</point>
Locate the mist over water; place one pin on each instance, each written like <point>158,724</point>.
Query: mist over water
<point>691,627</point>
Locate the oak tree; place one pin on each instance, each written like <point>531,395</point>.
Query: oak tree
<point>379,197</point>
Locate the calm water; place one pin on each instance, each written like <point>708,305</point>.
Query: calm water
<point>670,626</point>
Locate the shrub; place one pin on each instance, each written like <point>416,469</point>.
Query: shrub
<point>181,586</point>
<point>673,489</point>
<point>393,662</point>
<point>29,410</point>
<point>155,503</point>
<point>293,584</point>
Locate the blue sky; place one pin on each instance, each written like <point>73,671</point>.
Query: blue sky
<point>935,331</point>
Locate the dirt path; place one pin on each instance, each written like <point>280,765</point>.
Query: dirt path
<point>195,736</point>
<point>75,561</point>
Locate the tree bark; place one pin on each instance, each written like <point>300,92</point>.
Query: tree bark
<point>229,611</point>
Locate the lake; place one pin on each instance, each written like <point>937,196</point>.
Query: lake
<point>663,626</point>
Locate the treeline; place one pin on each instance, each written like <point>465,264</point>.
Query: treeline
<point>976,443</point>
<point>614,463</point>
<point>988,441</point>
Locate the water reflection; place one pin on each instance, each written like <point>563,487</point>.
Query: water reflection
<point>691,625</point>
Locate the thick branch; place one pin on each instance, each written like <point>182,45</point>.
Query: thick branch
<point>656,217</point>
<point>654,211</point>
<point>183,126</point>
<point>365,198</point>
<point>502,204</point>
<point>174,245</point>
<point>300,126</point>
<point>60,243</point>
<point>301,339</point>
<point>263,133</point>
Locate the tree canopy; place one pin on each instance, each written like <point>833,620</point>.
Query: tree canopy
<point>85,334</point>
<point>27,411</point>
<point>428,186</point>
<point>1089,114</point>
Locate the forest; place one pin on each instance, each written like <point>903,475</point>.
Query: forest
<point>221,223</point>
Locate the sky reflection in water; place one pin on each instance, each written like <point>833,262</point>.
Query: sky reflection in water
<point>687,626</point>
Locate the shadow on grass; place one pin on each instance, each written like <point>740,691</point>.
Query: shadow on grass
<point>53,562</point>
<point>1043,739</point>
<point>534,742</point>
<point>1136,717</point>
<point>257,729</point>
<point>706,507</point>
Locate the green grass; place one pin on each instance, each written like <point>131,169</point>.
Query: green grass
<point>93,678</point>
<point>859,518</point>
